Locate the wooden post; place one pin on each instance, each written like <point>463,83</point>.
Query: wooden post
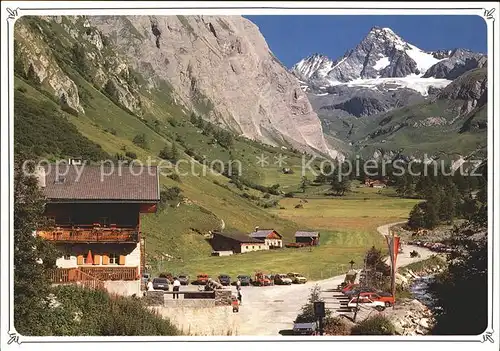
<point>357,307</point>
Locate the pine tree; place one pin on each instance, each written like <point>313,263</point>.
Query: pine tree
<point>417,217</point>
<point>174,155</point>
<point>33,257</point>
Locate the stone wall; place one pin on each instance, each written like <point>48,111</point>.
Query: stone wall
<point>189,303</point>
<point>123,287</point>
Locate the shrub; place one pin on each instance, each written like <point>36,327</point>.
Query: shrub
<point>289,194</point>
<point>175,177</point>
<point>172,122</point>
<point>131,155</point>
<point>336,326</point>
<point>267,196</point>
<point>95,312</point>
<point>377,325</point>
<point>140,140</point>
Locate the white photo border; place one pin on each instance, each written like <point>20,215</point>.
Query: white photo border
<point>11,11</point>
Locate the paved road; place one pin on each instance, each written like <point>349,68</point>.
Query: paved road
<point>267,310</point>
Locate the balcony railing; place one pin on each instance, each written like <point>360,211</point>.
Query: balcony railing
<point>93,275</point>
<point>91,234</point>
<point>75,276</point>
<point>112,273</point>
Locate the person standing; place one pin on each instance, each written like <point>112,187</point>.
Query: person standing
<point>176,285</point>
<point>239,296</point>
<point>150,285</point>
<point>238,284</point>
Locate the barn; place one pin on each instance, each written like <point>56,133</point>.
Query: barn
<point>236,242</point>
<point>309,238</point>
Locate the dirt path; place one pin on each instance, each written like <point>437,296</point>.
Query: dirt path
<point>267,310</point>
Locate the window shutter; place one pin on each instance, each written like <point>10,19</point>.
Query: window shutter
<point>97,259</point>
<point>105,259</point>
<point>79,260</point>
<point>122,260</point>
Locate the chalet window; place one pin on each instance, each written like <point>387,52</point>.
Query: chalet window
<point>67,257</point>
<point>113,258</point>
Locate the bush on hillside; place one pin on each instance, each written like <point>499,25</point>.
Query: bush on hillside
<point>140,140</point>
<point>131,155</point>
<point>80,311</point>
<point>377,325</point>
<point>336,326</point>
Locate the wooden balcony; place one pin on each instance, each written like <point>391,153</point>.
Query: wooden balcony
<point>93,275</point>
<point>91,234</point>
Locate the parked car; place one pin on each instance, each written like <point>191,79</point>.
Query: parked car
<point>297,278</point>
<point>169,277</point>
<point>282,279</point>
<point>365,301</point>
<point>183,279</point>
<point>349,287</point>
<point>160,284</point>
<point>201,279</point>
<point>245,280</point>
<point>358,290</point>
<point>224,279</point>
<point>305,328</point>
<point>386,298</point>
<point>261,280</point>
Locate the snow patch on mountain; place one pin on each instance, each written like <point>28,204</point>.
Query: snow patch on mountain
<point>382,63</point>
<point>414,82</point>
<point>423,60</point>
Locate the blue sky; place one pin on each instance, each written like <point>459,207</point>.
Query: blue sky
<point>293,37</point>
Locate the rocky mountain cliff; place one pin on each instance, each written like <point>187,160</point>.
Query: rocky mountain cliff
<point>219,66</point>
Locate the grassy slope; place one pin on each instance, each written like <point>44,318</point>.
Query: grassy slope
<point>422,139</point>
<point>165,228</point>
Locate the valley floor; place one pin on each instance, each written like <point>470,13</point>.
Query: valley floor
<point>265,311</point>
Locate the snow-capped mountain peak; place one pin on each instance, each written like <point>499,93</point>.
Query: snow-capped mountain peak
<point>387,36</point>
<point>381,55</point>
<point>313,64</point>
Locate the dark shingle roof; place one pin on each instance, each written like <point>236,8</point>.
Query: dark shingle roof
<point>241,237</point>
<point>93,183</point>
<point>263,233</point>
<point>306,234</point>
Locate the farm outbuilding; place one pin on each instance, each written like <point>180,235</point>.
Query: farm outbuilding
<point>236,242</point>
<point>269,236</point>
<point>309,238</point>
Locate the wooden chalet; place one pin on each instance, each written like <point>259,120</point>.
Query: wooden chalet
<point>309,238</point>
<point>269,236</point>
<point>96,216</point>
<point>236,242</point>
